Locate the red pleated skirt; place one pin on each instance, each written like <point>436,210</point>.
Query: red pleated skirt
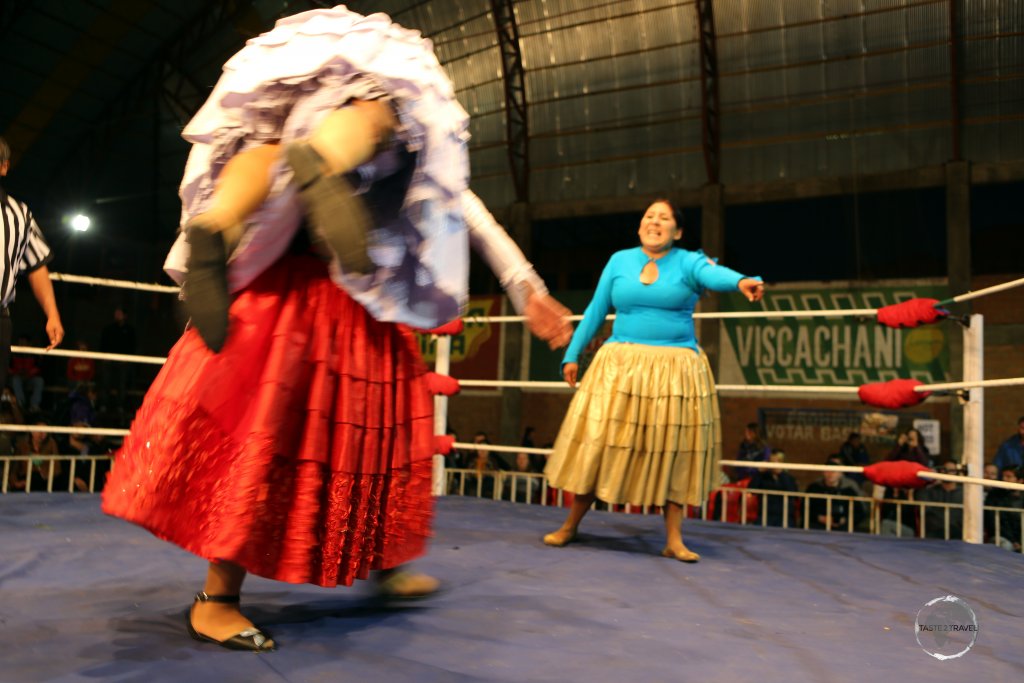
<point>302,451</point>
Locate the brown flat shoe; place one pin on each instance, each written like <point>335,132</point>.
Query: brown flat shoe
<point>337,218</point>
<point>206,284</point>
<point>558,539</point>
<point>684,555</point>
<point>404,584</point>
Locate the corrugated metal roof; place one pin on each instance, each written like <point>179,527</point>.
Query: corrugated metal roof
<point>807,87</point>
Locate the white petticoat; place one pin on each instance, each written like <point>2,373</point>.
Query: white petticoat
<point>278,88</point>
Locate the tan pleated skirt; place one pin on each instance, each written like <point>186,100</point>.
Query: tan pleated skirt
<point>643,428</point>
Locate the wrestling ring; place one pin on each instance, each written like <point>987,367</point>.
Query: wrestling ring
<point>91,598</point>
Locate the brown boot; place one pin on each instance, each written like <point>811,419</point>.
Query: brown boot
<point>336,217</point>
<point>206,284</point>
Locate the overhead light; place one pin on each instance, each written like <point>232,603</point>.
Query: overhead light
<point>80,223</point>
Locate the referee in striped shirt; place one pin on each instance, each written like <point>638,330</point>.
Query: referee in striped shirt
<point>24,251</point>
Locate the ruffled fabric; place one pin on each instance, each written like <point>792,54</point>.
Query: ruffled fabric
<point>643,428</point>
<point>278,88</point>
<point>302,451</point>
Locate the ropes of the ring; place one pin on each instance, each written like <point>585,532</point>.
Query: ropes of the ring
<point>918,388</point>
<point>890,473</point>
<point>967,296</point>
<point>117,284</point>
<point>907,390</point>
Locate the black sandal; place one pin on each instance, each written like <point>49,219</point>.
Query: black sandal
<point>206,284</point>
<point>337,218</point>
<point>250,639</point>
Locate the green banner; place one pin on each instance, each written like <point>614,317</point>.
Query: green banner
<point>832,351</point>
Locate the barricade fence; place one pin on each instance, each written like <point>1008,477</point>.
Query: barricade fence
<point>784,509</point>
<point>42,474</point>
<point>53,473</point>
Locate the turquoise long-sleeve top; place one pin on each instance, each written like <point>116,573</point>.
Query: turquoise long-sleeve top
<point>658,314</point>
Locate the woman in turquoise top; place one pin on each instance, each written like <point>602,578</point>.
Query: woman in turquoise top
<point>643,428</point>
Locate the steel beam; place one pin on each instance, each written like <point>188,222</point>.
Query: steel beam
<point>517,131</point>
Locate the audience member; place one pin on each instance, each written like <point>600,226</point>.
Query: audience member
<point>753,448</point>
<point>81,369</point>
<point>1011,451</point>
<point>455,458</point>
<point>537,461</point>
<point>25,374</point>
<point>1008,536</point>
<point>89,444</point>
<point>842,511</point>
<point>989,472</point>
<point>524,489</point>
<point>485,465</point>
<point>10,413</point>
<point>910,446</point>
<point>855,454</point>
<point>82,405</point>
<point>775,480</point>
<point>35,474</point>
<point>118,337</point>
<point>943,492</point>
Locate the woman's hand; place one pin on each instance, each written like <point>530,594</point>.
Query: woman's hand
<point>548,320</point>
<point>751,288</point>
<point>569,372</point>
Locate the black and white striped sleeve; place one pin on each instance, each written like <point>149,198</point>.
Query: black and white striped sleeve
<point>37,251</point>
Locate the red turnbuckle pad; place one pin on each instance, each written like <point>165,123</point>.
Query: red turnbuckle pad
<point>911,313</point>
<point>897,474</point>
<point>450,328</point>
<point>442,384</point>
<point>443,443</point>
<point>896,393</point>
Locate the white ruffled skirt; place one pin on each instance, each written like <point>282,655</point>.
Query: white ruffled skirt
<point>277,89</point>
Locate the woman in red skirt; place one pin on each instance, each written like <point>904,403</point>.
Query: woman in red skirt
<point>300,447</point>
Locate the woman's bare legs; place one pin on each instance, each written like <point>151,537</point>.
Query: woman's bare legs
<point>581,503</point>
<point>350,136</point>
<point>344,139</point>
<point>217,620</point>
<point>242,186</point>
<point>674,546</point>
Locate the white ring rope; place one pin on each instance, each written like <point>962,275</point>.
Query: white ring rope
<point>967,296</point>
<point>119,284</point>
<point>760,464</point>
<point>755,388</point>
<point>40,351</point>
<point>512,384</point>
<point>49,429</point>
<point>807,467</point>
<point>501,449</point>
<point>1006,382</point>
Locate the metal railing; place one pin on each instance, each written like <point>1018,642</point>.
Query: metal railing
<point>864,514</point>
<point>82,477</point>
<point>84,471</point>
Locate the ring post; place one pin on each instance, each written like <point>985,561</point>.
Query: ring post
<point>442,365</point>
<point>974,427</point>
